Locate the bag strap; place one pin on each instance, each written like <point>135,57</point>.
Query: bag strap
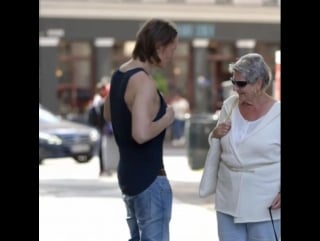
<point>227,118</point>
<point>233,105</point>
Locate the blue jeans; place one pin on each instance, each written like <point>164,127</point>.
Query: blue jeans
<point>177,129</point>
<point>256,231</point>
<point>149,212</point>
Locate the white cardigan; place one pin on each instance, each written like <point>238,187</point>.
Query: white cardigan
<point>249,174</point>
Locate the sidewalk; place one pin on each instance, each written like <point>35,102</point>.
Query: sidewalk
<point>87,219</point>
<point>91,209</point>
<point>192,223</point>
<point>189,222</point>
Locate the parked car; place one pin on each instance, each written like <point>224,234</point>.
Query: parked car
<point>62,138</point>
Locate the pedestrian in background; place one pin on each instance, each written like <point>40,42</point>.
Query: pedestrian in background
<point>247,197</point>
<point>181,108</point>
<point>140,116</point>
<point>96,119</point>
<point>110,152</point>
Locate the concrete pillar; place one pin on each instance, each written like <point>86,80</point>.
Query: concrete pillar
<point>201,81</point>
<point>103,49</point>
<point>47,67</point>
<point>245,46</point>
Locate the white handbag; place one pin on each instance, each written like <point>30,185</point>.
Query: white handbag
<point>209,177</point>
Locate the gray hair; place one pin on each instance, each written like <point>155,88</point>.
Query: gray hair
<point>253,67</point>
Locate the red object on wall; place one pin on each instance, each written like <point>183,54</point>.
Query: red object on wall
<point>277,90</point>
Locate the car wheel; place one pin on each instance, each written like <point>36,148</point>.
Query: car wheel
<point>82,158</point>
<point>40,161</point>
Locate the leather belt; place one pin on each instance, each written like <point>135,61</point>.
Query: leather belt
<point>162,172</point>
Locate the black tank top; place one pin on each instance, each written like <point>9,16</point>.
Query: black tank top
<point>139,164</point>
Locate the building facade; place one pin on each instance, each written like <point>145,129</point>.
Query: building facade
<point>82,42</point>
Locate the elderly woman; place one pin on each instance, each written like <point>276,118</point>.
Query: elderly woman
<point>247,198</point>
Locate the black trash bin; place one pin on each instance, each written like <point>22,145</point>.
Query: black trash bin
<point>198,127</point>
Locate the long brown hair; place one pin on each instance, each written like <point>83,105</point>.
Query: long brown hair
<point>153,34</point>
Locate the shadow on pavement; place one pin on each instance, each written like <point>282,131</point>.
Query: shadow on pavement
<point>188,193</point>
<point>79,188</point>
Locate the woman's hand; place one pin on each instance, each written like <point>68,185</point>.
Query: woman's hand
<point>276,202</point>
<point>221,129</point>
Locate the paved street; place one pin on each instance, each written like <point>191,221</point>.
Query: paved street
<point>76,205</point>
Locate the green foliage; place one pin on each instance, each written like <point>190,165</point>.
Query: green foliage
<point>162,83</point>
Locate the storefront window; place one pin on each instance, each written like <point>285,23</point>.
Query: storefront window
<point>74,76</point>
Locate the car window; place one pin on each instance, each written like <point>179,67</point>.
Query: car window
<point>46,117</point>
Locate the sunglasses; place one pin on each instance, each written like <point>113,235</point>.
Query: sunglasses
<point>239,83</point>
